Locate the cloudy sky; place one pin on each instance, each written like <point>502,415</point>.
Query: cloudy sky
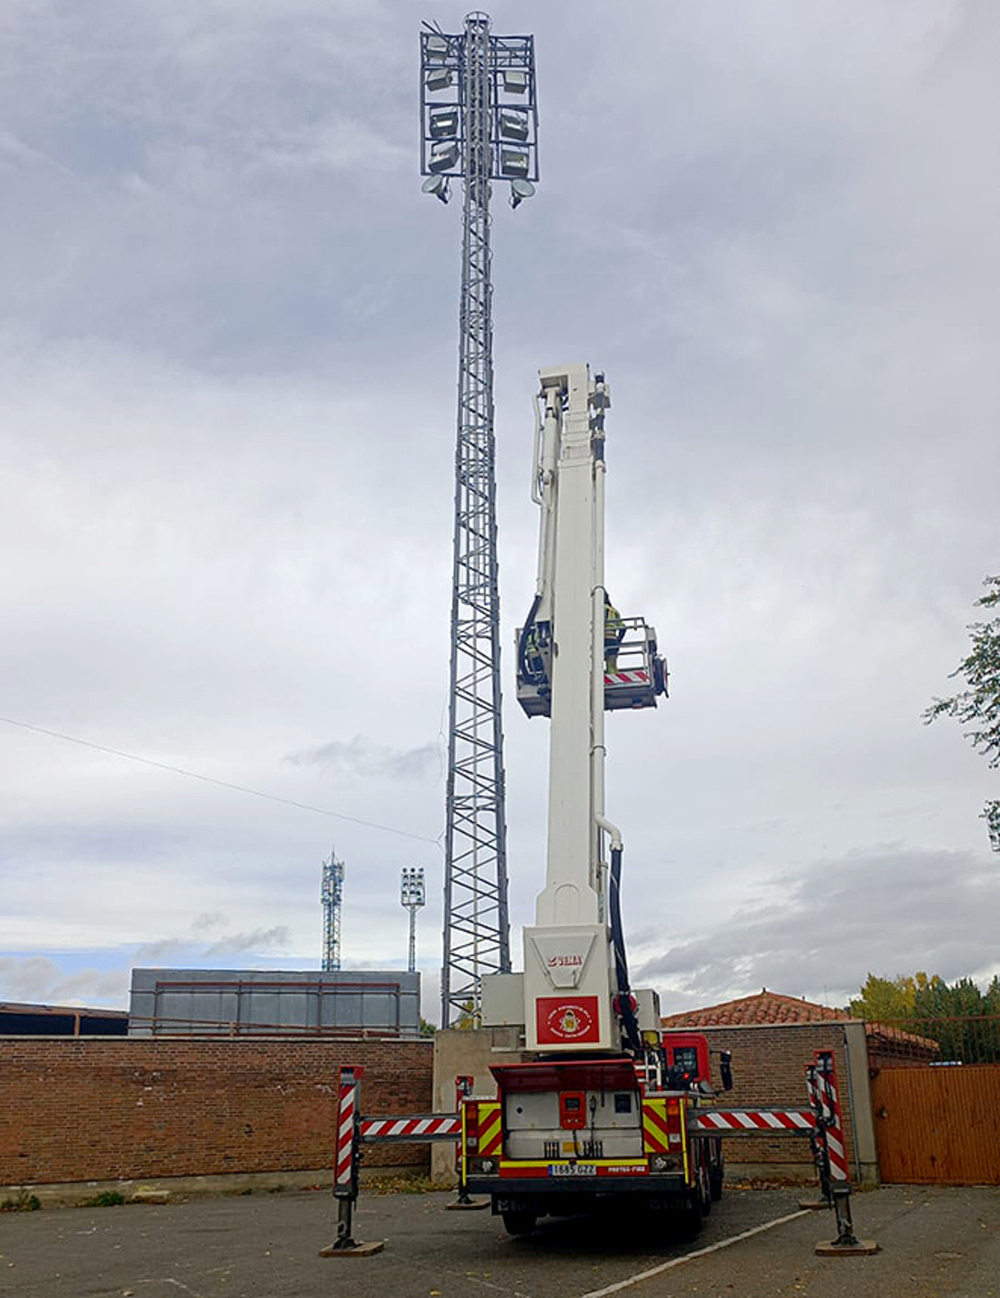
<point>227,375</point>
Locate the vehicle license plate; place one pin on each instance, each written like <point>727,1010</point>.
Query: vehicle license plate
<point>572,1169</point>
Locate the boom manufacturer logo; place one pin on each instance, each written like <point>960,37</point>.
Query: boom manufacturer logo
<point>558,1019</point>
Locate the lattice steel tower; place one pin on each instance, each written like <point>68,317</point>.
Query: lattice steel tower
<point>331,895</point>
<point>478,123</point>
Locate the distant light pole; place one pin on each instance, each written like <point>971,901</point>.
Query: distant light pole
<point>479,123</point>
<point>411,895</point>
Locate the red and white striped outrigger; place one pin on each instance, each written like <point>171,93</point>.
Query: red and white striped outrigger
<point>822,1122</point>
<point>821,1078</point>
<point>754,1121</point>
<point>435,1127</point>
<point>346,1160</point>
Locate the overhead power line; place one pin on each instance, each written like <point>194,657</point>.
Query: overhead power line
<point>222,784</point>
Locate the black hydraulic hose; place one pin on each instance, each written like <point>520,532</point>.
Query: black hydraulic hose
<point>529,677</point>
<point>625,1008</point>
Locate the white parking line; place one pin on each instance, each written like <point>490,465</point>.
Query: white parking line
<point>701,1252</point>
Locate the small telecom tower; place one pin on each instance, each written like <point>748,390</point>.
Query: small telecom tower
<point>331,895</point>
<point>411,895</point>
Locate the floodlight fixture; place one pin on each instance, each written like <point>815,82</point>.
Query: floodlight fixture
<point>514,123</point>
<point>436,185</point>
<point>515,81</point>
<point>514,163</point>
<point>437,79</point>
<point>437,46</point>
<point>443,123</point>
<point>443,156</point>
<point>519,191</point>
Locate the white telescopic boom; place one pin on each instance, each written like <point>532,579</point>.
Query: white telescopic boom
<point>567,963</point>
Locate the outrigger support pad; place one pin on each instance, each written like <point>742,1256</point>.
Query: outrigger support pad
<point>847,1243</point>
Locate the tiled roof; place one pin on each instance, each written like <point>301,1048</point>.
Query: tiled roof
<point>764,1007</point>
<point>883,1036</point>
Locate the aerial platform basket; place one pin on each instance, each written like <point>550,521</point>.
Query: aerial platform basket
<point>635,672</point>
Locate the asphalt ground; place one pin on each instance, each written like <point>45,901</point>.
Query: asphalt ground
<point>935,1243</point>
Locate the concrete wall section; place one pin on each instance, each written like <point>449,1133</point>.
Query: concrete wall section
<point>458,1052</point>
<point>857,1099</point>
<point>104,1108</point>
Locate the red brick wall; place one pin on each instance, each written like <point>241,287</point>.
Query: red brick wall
<point>102,1108</point>
<point>769,1069</point>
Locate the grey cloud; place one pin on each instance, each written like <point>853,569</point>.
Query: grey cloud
<point>261,939</point>
<point>890,911</point>
<point>162,950</point>
<point>362,757</point>
<point>190,950</point>
<point>206,920</point>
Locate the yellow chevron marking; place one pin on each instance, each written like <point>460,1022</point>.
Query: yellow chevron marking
<point>489,1134</point>
<point>654,1126</point>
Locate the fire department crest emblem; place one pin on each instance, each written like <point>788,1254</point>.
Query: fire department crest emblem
<point>569,1022</point>
<point>563,1018</point>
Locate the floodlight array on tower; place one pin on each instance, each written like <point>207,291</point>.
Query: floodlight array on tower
<point>412,895</point>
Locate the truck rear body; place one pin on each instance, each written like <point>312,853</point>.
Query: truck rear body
<point>562,1132</point>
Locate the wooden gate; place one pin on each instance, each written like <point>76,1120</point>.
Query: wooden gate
<point>938,1125</point>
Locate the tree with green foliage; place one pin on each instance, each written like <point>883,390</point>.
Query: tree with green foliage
<point>892,998</point>
<point>978,705</point>
<point>962,1019</point>
<point>468,1017</point>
